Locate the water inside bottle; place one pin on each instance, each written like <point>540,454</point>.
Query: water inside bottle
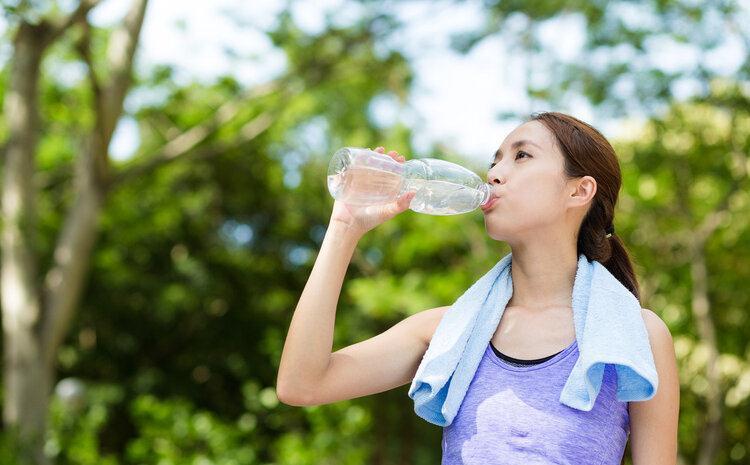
<point>443,197</point>
<point>365,185</point>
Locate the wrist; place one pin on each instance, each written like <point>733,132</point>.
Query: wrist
<point>344,231</point>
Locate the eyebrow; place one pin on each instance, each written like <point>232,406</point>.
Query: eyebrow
<point>515,145</point>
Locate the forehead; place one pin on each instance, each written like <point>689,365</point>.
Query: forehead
<point>533,131</point>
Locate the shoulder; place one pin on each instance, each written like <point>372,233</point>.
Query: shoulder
<point>658,331</point>
<point>653,422</point>
<point>662,348</point>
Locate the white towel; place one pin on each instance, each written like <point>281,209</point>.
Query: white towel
<point>609,329</point>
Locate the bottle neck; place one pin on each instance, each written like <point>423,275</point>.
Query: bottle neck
<point>486,190</point>
<point>414,171</point>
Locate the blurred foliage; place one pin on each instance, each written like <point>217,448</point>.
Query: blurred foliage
<point>200,264</point>
<point>635,56</point>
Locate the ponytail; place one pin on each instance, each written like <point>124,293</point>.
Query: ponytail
<point>588,153</point>
<point>611,253</point>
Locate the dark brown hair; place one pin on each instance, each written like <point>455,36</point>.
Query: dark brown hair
<point>588,153</point>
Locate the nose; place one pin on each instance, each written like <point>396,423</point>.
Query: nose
<point>495,174</point>
<point>495,178</point>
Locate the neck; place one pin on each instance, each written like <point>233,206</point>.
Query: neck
<point>543,278</point>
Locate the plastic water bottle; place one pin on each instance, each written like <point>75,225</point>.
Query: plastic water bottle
<point>360,176</point>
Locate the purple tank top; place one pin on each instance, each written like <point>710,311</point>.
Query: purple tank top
<point>512,415</point>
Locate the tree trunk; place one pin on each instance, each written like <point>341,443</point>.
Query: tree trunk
<point>36,315</point>
<point>65,279</point>
<point>36,319</point>
<point>26,381</point>
<point>712,428</point>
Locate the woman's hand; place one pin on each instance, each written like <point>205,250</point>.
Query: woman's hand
<point>362,218</point>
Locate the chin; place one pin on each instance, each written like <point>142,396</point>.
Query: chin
<point>497,235</point>
<point>499,231</point>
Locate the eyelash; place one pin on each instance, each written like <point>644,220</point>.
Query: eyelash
<point>519,152</point>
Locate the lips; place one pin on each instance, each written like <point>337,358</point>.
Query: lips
<point>490,204</point>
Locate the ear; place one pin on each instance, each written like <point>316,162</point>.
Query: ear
<point>582,190</point>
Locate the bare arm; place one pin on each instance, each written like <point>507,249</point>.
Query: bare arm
<point>308,372</point>
<point>653,423</point>
<point>307,349</point>
<point>378,364</point>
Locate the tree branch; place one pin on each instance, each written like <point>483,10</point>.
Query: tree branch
<point>120,54</point>
<point>190,139</point>
<point>228,111</point>
<point>79,14</point>
<point>248,132</point>
<point>722,210</point>
<point>179,146</point>
<point>83,46</point>
<point>99,145</point>
<point>65,279</point>
<point>714,219</point>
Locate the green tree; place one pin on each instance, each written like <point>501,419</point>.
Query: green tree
<point>37,312</point>
<point>60,185</point>
<point>637,58</point>
<point>686,212</point>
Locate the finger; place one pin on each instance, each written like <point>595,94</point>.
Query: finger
<point>380,149</point>
<point>405,200</point>
<point>395,207</point>
<point>394,154</point>
<point>399,205</point>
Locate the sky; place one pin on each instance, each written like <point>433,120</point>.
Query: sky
<point>455,99</point>
<point>448,86</point>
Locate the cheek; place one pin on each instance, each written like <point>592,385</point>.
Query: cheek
<point>538,192</point>
<point>538,201</point>
<point>540,208</point>
<point>547,203</point>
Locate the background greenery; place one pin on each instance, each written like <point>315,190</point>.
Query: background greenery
<point>199,263</point>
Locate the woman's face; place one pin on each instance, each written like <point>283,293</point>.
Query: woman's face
<point>535,198</point>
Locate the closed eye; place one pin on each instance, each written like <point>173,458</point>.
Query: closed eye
<point>520,152</point>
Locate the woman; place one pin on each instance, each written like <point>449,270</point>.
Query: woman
<point>556,180</point>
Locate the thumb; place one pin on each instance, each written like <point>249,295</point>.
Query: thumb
<point>397,206</point>
<point>402,203</point>
<point>392,209</point>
